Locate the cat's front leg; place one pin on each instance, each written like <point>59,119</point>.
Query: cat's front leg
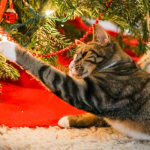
<point>7,49</point>
<point>67,88</point>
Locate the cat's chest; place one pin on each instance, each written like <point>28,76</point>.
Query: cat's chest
<point>129,128</point>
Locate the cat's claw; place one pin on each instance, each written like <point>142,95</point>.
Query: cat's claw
<point>64,122</point>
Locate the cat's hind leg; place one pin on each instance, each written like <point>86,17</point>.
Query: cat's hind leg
<point>82,121</point>
<point>131,129</point>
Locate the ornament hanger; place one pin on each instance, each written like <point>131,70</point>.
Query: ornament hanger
<point>10,4</point>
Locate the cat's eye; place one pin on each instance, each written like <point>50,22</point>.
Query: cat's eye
<point>84,54</point>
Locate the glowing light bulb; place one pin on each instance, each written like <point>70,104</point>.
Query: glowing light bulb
<point>48,12</point>
<point>4,38</point>
<point>0,35</point>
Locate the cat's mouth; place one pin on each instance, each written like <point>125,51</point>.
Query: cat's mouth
<point>78,75</point>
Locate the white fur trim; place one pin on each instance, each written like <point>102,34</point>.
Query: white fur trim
<point>7,49</point>
<point>64,122</point>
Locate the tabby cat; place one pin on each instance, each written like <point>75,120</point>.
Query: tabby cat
<point>103,80</point>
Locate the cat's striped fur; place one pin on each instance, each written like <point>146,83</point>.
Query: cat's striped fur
<point>104,81</point>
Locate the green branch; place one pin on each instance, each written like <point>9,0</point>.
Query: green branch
<point>35,20</point>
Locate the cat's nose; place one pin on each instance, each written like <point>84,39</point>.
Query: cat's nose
<point>79,69</point>
<point>72,64</point>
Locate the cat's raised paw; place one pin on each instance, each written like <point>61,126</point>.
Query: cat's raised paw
<point>64,122</point>
<point>7,49</point>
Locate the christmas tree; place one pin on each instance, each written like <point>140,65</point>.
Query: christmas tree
<point>41,34</point>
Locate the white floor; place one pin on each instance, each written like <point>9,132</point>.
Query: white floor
<point>54,138</point>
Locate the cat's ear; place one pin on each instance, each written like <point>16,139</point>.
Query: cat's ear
<point>79,43</point>
<point>100,35</point>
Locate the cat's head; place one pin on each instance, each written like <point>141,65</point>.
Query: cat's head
<point>89,56</point>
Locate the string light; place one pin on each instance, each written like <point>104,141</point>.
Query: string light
<point>48,12</point>
<point>4,37</point>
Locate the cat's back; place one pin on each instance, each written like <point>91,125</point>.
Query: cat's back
<point>125,88</point>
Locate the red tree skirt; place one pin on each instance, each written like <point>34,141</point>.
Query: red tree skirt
<point>31,107</point>
<point>27,102</point>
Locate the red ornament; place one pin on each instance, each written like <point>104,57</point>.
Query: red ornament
<point>61,51</point>
<point>81,39</point>
<point>53,54</point>
<point>96,21</point>
<point>109,1</point>
<point>1,30</point>
<point>90,29</point>
<point>34,54</point>
<point>57,53</point>
<point>106,5</point>
<point>10,16</point>
<point>4,32</point>
<point>101,14</point>
<point>66,49</point>
<point>8,36</point>
<point>48,55</point>
<point>11,39</point>
<point>98,18</point>
<point>87,32</point>
<point>73,44</point>
<point>39,55</point>
<point>70,47</point>
<point>78,42</point>
<point>84,36</point>
<point>93,25</point>
<point>43,55</point>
